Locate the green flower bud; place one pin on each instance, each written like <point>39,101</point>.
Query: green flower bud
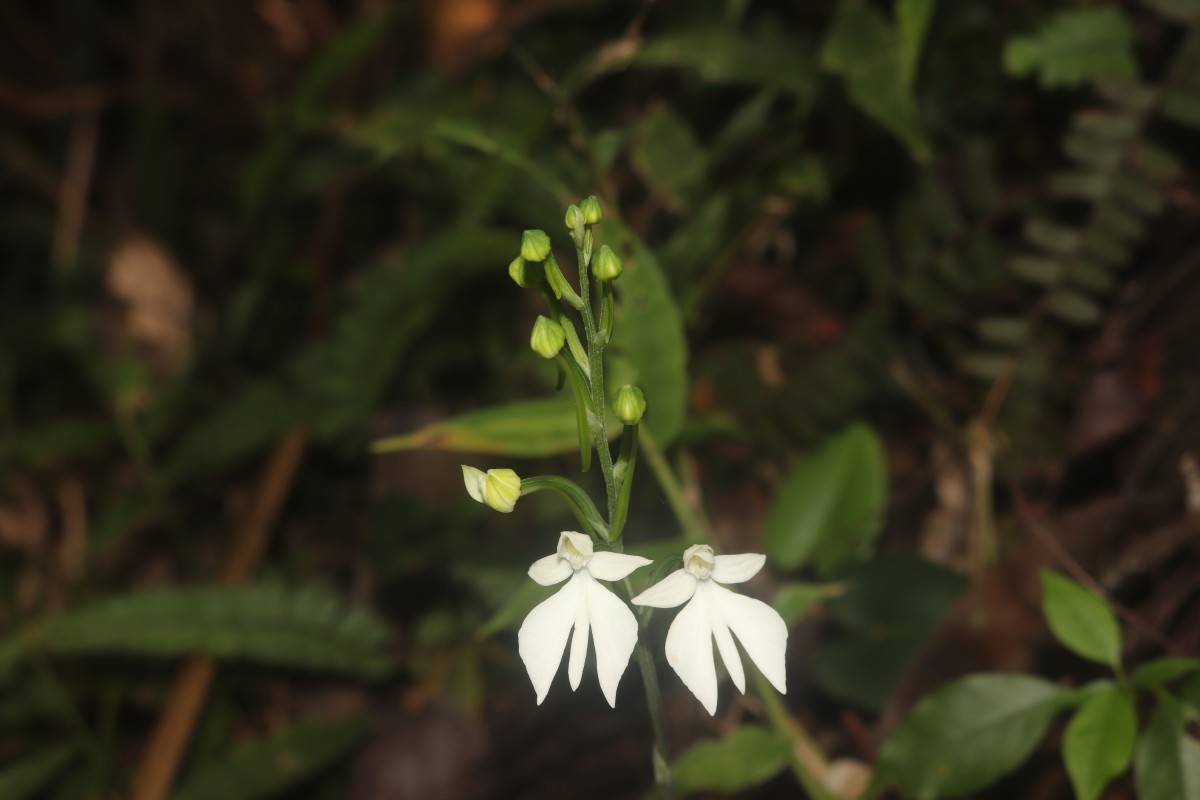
<point>535,245</point>
<point>606,266</point>
<point>547,337</point>
<point>574,217</point>
<point>497,488</point>
<point>516,271</point>
<point>630,404</point>
<point>592,213</point>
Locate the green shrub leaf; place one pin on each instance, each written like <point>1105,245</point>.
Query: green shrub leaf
<point>747,757</point>
<point>1099,740</point>
<point>1074,47</point>
<point>969,733</point>
<point>830,509</point>
<point>1082,622</point>
<point>1167,766</point>
<point>27,777</point>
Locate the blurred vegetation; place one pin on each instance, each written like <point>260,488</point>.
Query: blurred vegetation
<point>910,291</point>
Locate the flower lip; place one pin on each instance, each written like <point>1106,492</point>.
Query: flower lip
<point>574,548</point>
<point>698,560</point>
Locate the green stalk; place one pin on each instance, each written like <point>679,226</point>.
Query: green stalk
<point>577,500</point>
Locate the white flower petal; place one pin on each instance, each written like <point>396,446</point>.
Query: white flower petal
<point>608,566</point>
<point>725,645</point>
<point>543,635</point>
<point>473,479</point>
<point>760,629</point>
<point>579,638</point>
<point>550,570</point>
<point>689,651</point>
<point>614,634</point>
<point>736,569</point>
<point>673,590</point>
<point>580,541</point>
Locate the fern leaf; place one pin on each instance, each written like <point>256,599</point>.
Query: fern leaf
<point>307,627</point>
<point>1073,47</point>
<point>267,767</point>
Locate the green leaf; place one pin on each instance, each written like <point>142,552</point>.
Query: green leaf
<point>1080,620</point>
<point>1098,743</point>
<point>527,429</point>
<point>649,348</point>
<point>307,627</point>
<point>969,733</point>
<point>667,157</point>
<point>830,509</point>
<point>793,600</point>
<point>912,23</point>
<point>28,776</point>
<point>747,757</point>
<point>1167,765</point>
<point>865,50</point>
<point>1163,670</point>
<point>890,607</point>
<point>1073,307</point>
<point>267,767</point>
<point>1073,47</point>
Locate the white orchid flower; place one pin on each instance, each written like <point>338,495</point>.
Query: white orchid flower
<point>713,611</point>
<point>585,605</point>
<point>497,488</point>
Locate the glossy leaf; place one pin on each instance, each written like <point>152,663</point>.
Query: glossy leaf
<point>969,733</point>
<point>1080,620</point>
<point>1098,743</point>
<point>794,600</point>
<point>830,509</point>
<point>1167,765</point>
<point>747,757</point>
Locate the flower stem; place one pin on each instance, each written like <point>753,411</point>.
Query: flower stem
<point>662,763</point>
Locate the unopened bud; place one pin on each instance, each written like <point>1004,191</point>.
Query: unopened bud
<point>535,245</point>
<point>630,405</point>
<point>497,488</point>
<point>547,337</point>
<point>574,217</point>
<point>592,213</point>
<point>606,266</point>
<point>516,271</point>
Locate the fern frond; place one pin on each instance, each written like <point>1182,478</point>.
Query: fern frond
<point>1074,47</point>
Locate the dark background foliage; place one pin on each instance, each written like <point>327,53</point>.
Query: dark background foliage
<point>243,240</point>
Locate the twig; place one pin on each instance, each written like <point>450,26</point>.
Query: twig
<point>162,755</point>
<point>72,198</point>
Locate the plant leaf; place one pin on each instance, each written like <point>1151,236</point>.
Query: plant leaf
<point>1098,743</point>
<point>307,627</point>
<point>747,757</point>
<point>266,767</point>
<point>28,776</point>
<point>1073,47</point>
<point>1163,670</point>
<point>648,339</point>
<point>912,23</point>
<point>969,733</point>
<point>864,49</point>
<point>1080,620</point>
<point>1167,765</point>
<point>830,509</point>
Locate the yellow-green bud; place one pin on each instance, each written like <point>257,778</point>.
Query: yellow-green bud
<point>547,337</point>
<point>573,218</point>
<point>630,405</point>
<point>516,271</point>
<point>497,488</point>
<point>606,266</point>
<point>535,245</point>
<point>592,213</point>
